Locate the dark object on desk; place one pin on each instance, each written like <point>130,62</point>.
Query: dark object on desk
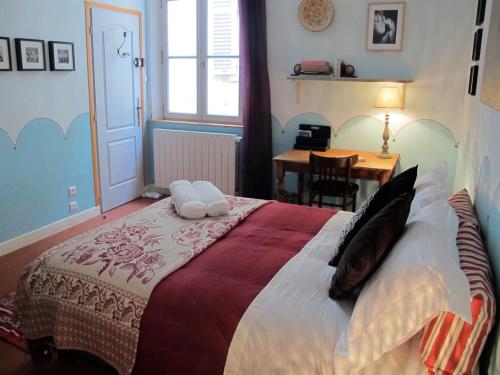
<point>333,180</point>
<point>318,141</point>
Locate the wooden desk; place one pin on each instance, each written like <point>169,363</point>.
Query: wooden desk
<point>373,169</point>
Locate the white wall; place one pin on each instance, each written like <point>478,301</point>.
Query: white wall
<point>435,52</point>
<point>59,96</point>
<point>479,171</point>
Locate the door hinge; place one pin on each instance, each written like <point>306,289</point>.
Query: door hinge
<point>162,58</point>
<point>95,120</point>
<point>161,4</point>
<point>163,110</point>
<point>90,30</point>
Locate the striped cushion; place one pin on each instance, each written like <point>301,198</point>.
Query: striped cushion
<point>461,203</point>
<point>448,345</point>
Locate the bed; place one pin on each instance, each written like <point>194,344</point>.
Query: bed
<point>246,293</point>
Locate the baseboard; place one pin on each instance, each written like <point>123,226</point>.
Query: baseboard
<point>38,234</point>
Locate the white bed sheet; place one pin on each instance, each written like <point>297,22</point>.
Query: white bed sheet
<point>292,326</point>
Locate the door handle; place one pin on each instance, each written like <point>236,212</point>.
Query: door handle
<point>138,109</point>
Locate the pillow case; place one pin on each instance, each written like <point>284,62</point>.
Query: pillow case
<point>402,183</point>
<point>368,247</point>
<point>461,203</point>
<point>448,344</point>
<point>413,285</point>
<point>437,176</point>
<point>431,187</point>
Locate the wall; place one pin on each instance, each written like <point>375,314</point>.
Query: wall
<point>44,122</point>
<point>479,170</point>
<point>45,141</point>
<point>433,55</point>
<point>426,131</point>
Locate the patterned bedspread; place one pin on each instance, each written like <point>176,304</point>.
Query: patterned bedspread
<point>90,292</point>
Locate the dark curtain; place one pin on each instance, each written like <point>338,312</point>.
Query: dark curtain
<point>257,132</point>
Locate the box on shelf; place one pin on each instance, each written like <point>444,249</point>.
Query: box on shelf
<point>319,139</point>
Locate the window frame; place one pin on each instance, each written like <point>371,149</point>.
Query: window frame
<point>202,57</point>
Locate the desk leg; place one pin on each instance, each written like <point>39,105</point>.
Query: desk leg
<point>280,179</point>
<point>383,177</point>
<point>300,188</point>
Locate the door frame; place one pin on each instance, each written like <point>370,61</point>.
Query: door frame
<point>90,76</point>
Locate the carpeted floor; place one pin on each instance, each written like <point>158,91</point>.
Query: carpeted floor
<point>15,361</point>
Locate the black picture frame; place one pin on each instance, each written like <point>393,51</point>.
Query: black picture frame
<point>21,65</point>
<point>7,56</point>
<point>474,70</point>
<point>476,50</point>
<point>481,9</point>
<point>56,65</point>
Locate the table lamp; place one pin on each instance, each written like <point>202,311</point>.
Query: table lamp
<point>387,97</point>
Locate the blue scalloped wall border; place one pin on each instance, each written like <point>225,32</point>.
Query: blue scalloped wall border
<point>36,171</point>
<point>423,142</point>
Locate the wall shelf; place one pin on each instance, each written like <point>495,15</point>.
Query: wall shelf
<point>343,79</point>
<point>299,79</point>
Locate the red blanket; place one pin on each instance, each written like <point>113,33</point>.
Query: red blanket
<point>192,314</point>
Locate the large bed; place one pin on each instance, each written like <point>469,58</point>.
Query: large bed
<point>246,293</point>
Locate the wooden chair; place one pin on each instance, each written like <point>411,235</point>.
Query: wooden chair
<point>333,180</point>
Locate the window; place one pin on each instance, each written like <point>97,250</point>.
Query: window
<point>201,60</point>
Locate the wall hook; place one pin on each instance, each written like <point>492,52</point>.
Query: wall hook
<point>123,54</point>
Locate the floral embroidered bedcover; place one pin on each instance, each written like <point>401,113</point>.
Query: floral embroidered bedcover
<point>89,293</point>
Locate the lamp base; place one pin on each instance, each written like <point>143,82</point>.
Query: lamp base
<point>384,156</point>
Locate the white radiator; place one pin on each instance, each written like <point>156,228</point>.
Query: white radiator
<point>183,155</point>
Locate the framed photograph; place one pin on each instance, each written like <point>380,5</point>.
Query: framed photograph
<point>476,50</point>
<point>30,54</point>
<point>481,9</point>
<point>61,56</point>
<point>5,59</point>
<point>490,86</point>
<point>385,26</point>
<point>474,70</point>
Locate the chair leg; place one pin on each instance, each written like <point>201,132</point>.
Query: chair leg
<point>320,204</point>
<point>354,203</point>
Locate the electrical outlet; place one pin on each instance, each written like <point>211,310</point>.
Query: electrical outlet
<point>71,191</point>
<point>73,206</point>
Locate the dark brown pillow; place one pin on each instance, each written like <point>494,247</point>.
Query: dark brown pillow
<point>369,246</point>
<point>396,186</point>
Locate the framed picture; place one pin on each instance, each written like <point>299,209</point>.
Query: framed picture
<point>490,86</point>
<point>385,26</point>
<point>474,70</point>
<point>61,56</point>
<point>5,59</point>
<point>30,54</point>
<point>476,50</point>
<point>481,9</point>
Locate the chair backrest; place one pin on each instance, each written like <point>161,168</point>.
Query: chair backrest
<point>329,168</point>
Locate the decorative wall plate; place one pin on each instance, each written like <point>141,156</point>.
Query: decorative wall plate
<point>315,15</point>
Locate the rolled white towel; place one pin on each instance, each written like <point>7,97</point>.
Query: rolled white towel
<point>187,200</point>
<point>212,197</point>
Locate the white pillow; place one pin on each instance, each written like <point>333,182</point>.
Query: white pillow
<point>420,278</point>
<point>437,176</point>
<point>424,197</point>
<point>431,187</point>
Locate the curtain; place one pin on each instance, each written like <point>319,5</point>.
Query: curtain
<point>257,132</point>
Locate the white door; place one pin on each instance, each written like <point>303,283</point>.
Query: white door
<point>115,45</point>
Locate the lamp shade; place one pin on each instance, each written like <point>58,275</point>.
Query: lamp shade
<point>389,97</point>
